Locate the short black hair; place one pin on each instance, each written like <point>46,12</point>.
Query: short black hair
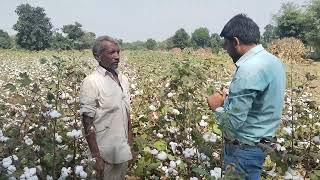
<point>242,27</point>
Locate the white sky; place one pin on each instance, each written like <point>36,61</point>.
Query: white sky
<point>133,20</point>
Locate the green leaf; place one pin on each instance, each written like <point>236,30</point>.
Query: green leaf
<point>160,145</point>
<point>153,166</point>
<point>317,173</point>
<point>24,79</point>
<point>43,61</point>
<point>11,87</point>
<point>210,90</point>
<point>50,97</point>
<point>199,171</point>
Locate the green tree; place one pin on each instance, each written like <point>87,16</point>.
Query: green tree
<point>61,43</point>
<point>200,37</point>
<point>180,39</point>
<point>5,40</point>
<point>34,28</point>
<point>216,42</point>
<point>73,31</point>
<point>270,33</point>
<point>290,21</point>
<point>151,44</point>
<point>86,41</point>
<point>313,24</point>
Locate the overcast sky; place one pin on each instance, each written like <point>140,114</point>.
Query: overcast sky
<point>133,20</point>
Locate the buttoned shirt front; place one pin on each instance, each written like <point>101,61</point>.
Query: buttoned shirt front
<point>108,102</point>
<point>253,108</point>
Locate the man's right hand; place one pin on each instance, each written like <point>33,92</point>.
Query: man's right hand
<point>99,168</point>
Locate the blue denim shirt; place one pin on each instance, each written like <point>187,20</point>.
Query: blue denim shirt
<point>256,96</point>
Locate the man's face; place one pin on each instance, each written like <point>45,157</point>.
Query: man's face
<point>109,57</point>
<point>230,47</point>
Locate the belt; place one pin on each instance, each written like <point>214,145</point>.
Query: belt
<point>237,142</point>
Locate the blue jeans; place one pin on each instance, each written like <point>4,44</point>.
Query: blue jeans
<point>248,160</point>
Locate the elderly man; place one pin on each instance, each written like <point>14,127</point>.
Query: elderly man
<point>250,113</point>
<point>104,101</point>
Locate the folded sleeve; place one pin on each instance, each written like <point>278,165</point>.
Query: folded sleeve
<point>88,98</point>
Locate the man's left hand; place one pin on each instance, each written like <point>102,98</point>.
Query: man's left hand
<point>216,99</point>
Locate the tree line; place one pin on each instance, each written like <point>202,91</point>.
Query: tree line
<point>35,32</point>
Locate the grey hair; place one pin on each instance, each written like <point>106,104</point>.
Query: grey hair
<point>97,48</point>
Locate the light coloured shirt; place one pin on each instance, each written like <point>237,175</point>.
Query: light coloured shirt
<point>102,98</point>
<point>256,95</point>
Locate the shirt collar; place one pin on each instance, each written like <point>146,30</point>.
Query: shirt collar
<point>248,54</point>
<point>104,72</point>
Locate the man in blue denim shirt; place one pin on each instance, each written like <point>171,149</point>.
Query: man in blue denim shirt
<point>251,112</point>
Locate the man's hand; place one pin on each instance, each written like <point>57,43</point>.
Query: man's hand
<point>99,168</point>
<point>216,99</point>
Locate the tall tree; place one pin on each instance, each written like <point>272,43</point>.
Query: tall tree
<point>270,33</point>
<point>34,28</point>
<point>290,21</point>
<point>73,31</point>
<point>180,39</point>
<point>200,37</point>
<point>313,24</point>
<point>5,40</point>
<point>151,44</point>
<point>216,42</point>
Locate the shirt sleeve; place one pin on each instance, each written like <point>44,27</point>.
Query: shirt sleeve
<point>243,90</point>
<point>88,98</point>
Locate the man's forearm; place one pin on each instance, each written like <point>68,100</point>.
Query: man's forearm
<point>90,135</point>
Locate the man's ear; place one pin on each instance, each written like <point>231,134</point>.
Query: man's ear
<point>236,41</point>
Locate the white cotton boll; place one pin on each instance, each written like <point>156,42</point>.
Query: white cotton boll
<point>203,123</point>
<point>58,138</point>
<point>193,178</point>
<point>12,178</point>
<point>175,111</point>
<point>167,85</point>
<point>43,128</point>
<point>83,175</point>
<point>69,158</point>
<point>280,140</point>
<point>173,164</point>
<point>11,169</point>
<point>49,177</point>
<point>204,117</point>
<point>76,134</point>
<point>216,172</point>
<point>210,137</point>
<point>272,173</point>
<point>154,152</point>
<point>54,114</point>
<point>6,162</point>
<point>288,130</point>
<point>188,152</point>
<point>162,156</point>
<point>159,135</point>
<point>152,108</point>
<point>173,146</point>
<point>79,169</point>
<point>170,94</point>
<point>316,139</point>
<point>133,86</point>
<point>28,141</point>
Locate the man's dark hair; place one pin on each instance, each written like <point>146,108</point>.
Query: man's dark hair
<point>242,27</point>
<point>97,48</point>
